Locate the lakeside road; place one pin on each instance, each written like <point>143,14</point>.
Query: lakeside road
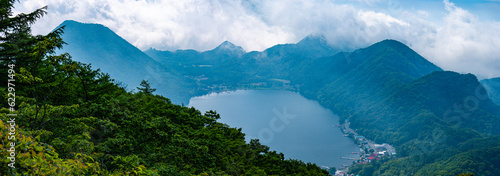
<point>369,150</point>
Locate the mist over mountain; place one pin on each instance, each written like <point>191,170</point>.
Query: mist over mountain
<point>493,87</point>
<point>387,91</point>
<point>312,46</point>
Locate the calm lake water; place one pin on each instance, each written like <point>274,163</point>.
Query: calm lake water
<point>285,121</point>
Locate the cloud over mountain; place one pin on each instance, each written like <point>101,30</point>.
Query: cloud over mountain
<point>454,38</point>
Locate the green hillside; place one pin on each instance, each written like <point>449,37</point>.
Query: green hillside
<point>368,75</point>
<point>482,162</point>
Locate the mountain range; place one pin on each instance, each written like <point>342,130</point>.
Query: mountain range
<point>387,91</point>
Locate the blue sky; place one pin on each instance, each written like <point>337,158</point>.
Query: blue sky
<point>486,9</point>
<point>457,35</point>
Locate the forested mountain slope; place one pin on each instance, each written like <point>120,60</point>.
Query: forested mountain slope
<point>368,75</point>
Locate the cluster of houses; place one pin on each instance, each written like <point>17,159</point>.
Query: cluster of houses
<point>368,151</point>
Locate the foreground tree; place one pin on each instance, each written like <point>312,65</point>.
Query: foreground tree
<point>15,31</point>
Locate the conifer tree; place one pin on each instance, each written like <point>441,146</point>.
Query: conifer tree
<point>15,31</point>
<point>146,87</point>
<point>39,73</point>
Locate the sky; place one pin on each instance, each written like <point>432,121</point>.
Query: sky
<point>456,35</point>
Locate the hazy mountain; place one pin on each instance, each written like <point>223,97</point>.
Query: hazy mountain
<point>225,50</point>
<point>98,45</point>
<point>101,47</point>
<point>312,46</point>
<point>230,65</point>
<point>221,65</point>
<point>279,60</point>
<point>177,58</point>
<point>493,87</point>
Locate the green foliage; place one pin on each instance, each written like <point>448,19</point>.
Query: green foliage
<point>15,31</point>
<point>33,157</point>
<point>480,162</point>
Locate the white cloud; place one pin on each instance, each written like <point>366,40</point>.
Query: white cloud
<point>171,24</point>
<point>373,19</point>
<point>461,43</point>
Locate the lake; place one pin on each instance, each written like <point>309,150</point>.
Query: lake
<point>285,121</point>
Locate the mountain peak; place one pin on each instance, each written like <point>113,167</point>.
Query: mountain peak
<point>399,56</point>
<point>69,22</point>
<point>228,48</point>
<point>313,39</point>
<point>391,43</point>
<point>226,45</point>
<point>311,46</point>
